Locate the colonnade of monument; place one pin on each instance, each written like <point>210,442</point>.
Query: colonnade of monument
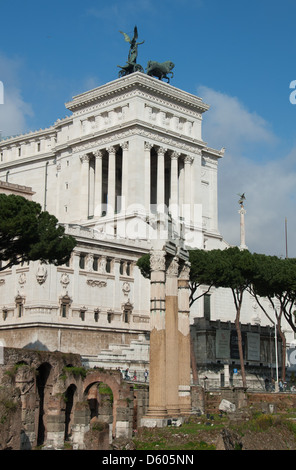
<point>166,177</point>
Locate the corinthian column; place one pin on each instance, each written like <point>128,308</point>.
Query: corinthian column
<point>157,373</point>
<point>147,157</point>
<point>171,329</point>
<point>160,179</point>
<point>111,181</point>
<point>187,188</point>
<point>174,185</point>
<point>184,338</point>
<point>98,183</point>
<point>124,190</point>
<point>84,189</point>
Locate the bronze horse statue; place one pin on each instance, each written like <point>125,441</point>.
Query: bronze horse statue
<point>160,70</point>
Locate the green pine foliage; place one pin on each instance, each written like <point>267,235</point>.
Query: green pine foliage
<point>29,234</point>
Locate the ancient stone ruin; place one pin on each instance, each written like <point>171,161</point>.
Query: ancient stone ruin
<point>49,400</point>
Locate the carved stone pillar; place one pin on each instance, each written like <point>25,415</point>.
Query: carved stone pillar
<point>124,190</point>
<point>160,179</point>
<point>184,339</point>
<point>242,213</point>
<point>171,329</point>
<point>187,188</point>
<point>84,190</point>
<point>174,200</point>
<point>98,183</point>
<point>157,374</point>
<point>91,187</point>
<point>147,157</point>
<point>111,181</point>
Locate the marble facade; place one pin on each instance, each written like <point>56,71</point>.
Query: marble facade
<point>128,160</point>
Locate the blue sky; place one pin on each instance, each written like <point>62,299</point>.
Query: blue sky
<point>238,55</point>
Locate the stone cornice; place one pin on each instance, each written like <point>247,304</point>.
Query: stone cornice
<point>44,157</point>
<point>139,81</point>
<point>155,134</point>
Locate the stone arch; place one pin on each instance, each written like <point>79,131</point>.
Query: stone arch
<point>122,398</point>
<point>70,395</point>
<point>100,400</point>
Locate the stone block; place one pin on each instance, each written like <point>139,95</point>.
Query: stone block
<point>227,406</point>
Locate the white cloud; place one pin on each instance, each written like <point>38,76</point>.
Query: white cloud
<point>14,111</point>
<point>228,119</point>
<point>269,184</point>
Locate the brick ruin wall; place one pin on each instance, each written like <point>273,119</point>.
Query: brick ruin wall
<point>48,399</point>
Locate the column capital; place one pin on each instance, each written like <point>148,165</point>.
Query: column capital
<point>173,266</point>
<point>157,260</point>
<point>124,145</point>
<point>161,150</point>
<point>148,146</point>
<point>188,159</point>
<point>184,272</point>
<point>98,153</point>
<point>84,158</point>
<point>111,149</point>
<point>175,155</point>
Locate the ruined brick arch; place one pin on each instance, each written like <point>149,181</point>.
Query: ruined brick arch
<point>43,381</point>
<point>122,393</point>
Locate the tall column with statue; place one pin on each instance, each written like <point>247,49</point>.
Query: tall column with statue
<point>242,213</point>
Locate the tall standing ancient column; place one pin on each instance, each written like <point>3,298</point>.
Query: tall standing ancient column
<point>242,213</point>
<point>157,372</point>
<point>171,337</point>
<point>184,339</point>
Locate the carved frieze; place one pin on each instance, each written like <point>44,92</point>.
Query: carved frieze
<point>96,283</point>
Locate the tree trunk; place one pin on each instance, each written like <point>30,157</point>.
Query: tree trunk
<point>284,347</point>
<point>240,349</point>
<point>238,299</point>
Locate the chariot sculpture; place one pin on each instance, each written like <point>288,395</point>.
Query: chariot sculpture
<point>131,64</point>
<point>160,70</point>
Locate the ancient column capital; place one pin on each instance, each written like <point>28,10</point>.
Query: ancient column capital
<point>111,149</point>
<point>84,158</point>
<point>175,155</point>
<point>173,267</point>
<point>188,159</point>
<point>124,145</point>
<point>157,260</point>
<point>184,272</point>
<point>147,146</point>
<point>161,151</point>
<point>98,154</point>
